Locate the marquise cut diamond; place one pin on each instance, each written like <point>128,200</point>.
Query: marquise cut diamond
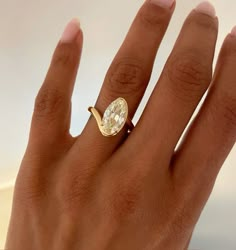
<point>115,117</point>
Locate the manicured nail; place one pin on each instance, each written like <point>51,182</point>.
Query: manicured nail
<point>71,31</point>
<point>206,8</point>
<point>163,3</point>
<point>233,32</point>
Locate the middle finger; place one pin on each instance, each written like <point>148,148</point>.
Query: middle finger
<point>185,78</point>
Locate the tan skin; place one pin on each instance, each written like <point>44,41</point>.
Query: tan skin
<point>128,192</point>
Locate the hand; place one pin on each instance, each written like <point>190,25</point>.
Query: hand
<point>129,192</point>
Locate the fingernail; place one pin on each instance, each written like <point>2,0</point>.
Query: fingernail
<point>71,31</point>
<point>206,8</point>
<point>233,32</point>
<point>163,3</point>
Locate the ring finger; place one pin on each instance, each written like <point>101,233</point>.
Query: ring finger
<point>129,73</point>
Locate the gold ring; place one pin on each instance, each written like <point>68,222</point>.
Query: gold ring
<point>114,119</point>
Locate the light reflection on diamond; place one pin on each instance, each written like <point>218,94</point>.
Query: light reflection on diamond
<point>115,116</point>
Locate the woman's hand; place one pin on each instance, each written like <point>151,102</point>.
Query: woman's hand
<point>129,192</point>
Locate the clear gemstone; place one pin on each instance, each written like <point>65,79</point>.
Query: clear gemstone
<point>115,116</point>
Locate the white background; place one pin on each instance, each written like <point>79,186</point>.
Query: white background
<point>29,31</point>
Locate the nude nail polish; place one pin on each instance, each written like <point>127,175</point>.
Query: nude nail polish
<point>206,8</point>
<point>163,3</point>
<point>233,32</point>
<point>71,31</point>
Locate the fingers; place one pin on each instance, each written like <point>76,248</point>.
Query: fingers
<point>185,78</point>
<point>213,133</point>
<point>130,71</point>
<point>51,118</point>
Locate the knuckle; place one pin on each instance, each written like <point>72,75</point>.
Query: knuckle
<point>48,103</point>
<point>75,189</point>
<point>64,56</point>
<point>152,20</point>
<point>227,109</point>
<point>32,193</point>
<point>31,190</point>
<point>124,199</point>
<point>181,220</point>
<point>204,21</point>
<point>228,51</point>
<point>187,76</point>
<point>125,202</point>
<point>181,223</point>
<point>230,112</point>
<point>125,77</point>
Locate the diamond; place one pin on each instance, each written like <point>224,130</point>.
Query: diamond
<point>115,117</point>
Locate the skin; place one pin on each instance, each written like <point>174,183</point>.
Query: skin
<point>137,191</point>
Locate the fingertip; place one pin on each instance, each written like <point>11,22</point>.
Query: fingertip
<point>233,31</point>
<point>71,31</point>
<point>206,8</point>
<point>166,4</point>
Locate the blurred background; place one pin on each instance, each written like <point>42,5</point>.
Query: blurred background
<point>30,30</point>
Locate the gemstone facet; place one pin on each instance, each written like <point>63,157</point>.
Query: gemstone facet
<point>115,117</point>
